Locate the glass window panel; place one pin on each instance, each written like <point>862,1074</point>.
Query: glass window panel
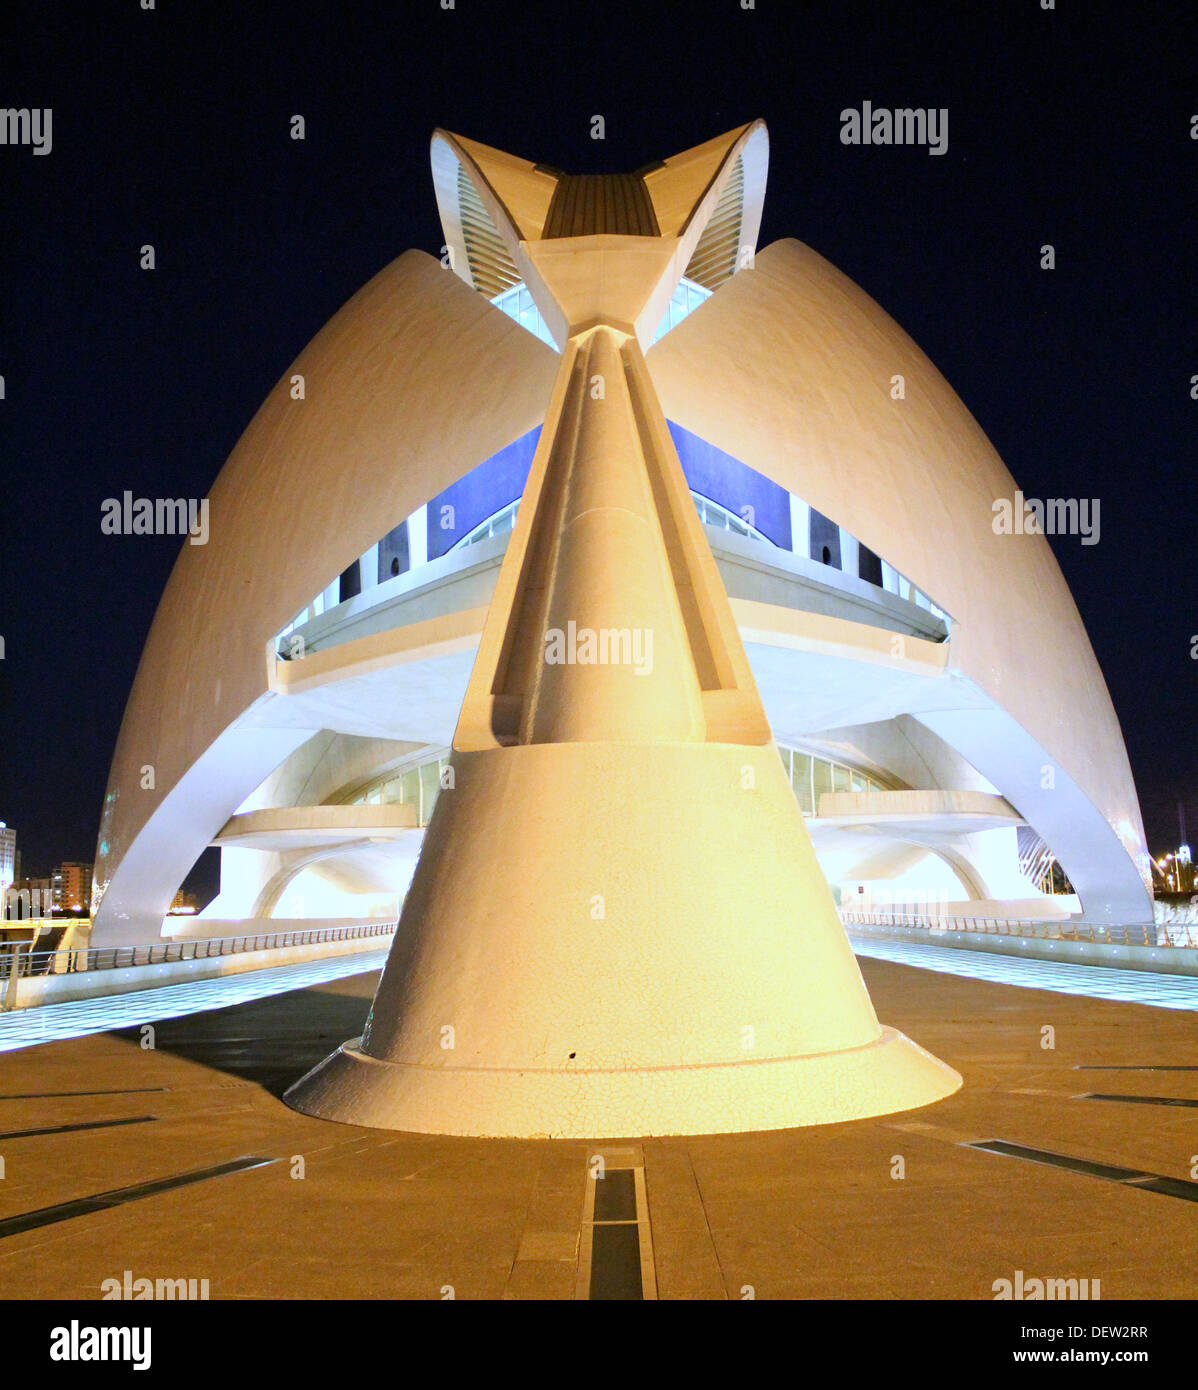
<point>800,779</point>
<point>841,781</point>
<point>821,773</point>
<point>860,782</point>
<point>430,785</point>
<point>410,783</point>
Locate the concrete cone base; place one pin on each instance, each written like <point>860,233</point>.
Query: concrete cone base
<point>890,1074</point>
<point>606,939</point>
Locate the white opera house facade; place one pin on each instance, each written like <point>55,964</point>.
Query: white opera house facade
<point>941,719</point>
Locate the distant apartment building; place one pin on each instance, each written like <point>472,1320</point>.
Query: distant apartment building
<point>71,887</point>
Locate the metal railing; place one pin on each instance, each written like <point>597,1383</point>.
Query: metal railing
<point>70,960</point>
<point>1064,929</point>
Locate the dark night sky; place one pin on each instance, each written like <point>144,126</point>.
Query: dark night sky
<point>171,127</point>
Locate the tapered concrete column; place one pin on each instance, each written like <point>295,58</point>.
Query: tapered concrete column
<point>607,650</point>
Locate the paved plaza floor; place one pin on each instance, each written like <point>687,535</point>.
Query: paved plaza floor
<point>99,1133</point>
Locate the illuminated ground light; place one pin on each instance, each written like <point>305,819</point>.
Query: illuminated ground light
<point>48,1022</point>
<point>1092,981</point>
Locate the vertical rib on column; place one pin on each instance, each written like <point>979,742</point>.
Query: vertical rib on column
<point>624,669</point>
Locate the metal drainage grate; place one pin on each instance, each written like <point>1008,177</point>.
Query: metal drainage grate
<point>70,1129</point>
<point>1142,1100</point>
<point>1172,1187</point>
<point>1132,1177</point>
<point>1055,1160</point>
<point>616,1251</point>
<point>101,1201</point>
<point>1079,1066</point>
<point>55,1095</point>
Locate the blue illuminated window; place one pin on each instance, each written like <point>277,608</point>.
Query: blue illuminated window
<point>518,304</point>
<point>685,299</point>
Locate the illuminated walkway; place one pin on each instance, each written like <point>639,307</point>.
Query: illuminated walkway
<point>1092,981</point>
<point>24,1027</point>
<point>75,1019</point>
